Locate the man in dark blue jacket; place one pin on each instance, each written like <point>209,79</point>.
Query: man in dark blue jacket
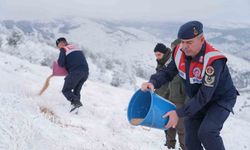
<point>208,84</point>
<point>74,61</point>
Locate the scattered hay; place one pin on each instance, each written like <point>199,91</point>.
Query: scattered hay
<point>136,121</point>
<point>55,119</point>
<point>46,84</point>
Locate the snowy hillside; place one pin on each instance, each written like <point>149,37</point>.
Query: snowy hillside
<point>29,121</point>
<point>117,38</point>
<point>118,52</point>
<point>111,50</point>
<point>36,122</point>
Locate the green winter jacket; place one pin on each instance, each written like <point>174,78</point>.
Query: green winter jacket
<point>175,90</point>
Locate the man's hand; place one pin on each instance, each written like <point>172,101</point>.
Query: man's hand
<point>173,119</point>
<point>147,86</point>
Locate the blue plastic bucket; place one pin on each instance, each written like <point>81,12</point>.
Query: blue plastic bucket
<point>147,109</point>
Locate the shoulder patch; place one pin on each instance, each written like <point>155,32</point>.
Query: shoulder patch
<point>209,81</point>
<point>210,70</point>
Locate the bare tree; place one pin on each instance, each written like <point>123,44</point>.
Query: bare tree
<point>15,38</point>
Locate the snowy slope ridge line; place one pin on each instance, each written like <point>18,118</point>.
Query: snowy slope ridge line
<point>105,52</point>
<point>101,123</point>
<point>118,52</point>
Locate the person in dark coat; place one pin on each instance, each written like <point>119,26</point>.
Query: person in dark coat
<point>174,91</point>
<point>208,84</point>
<point>73,59</point>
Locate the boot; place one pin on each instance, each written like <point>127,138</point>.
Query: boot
<point>75,105</point>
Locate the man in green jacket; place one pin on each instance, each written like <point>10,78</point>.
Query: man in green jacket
<point>173,92</point>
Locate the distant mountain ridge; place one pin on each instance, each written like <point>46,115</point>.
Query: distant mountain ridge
<point>118,52</point>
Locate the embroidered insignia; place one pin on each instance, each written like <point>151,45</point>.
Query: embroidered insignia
<point>195,31</point>
<point>209,70</point>
<point>196,72</point>
<point>209,81</point>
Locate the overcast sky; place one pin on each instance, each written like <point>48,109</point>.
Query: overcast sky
<point>163,10</point>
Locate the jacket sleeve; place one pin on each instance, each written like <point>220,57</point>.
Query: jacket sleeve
<point>163,91</point>
<point>164,75</point>
<point>62,58</point>
<point>206,91</point>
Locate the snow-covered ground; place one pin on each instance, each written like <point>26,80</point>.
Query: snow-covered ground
<point>29,121</point>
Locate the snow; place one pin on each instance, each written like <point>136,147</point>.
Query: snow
<point>112,48</point>
<point>109,49</point>
<point>230,38</point>
<point>237,63</point>
<point>98,126</point>
<point>29,121</point>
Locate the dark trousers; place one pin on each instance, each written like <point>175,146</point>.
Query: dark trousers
<point>204,128</point>
<point>73,85</point>
<point>171,132</point>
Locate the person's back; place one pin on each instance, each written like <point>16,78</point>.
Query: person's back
<point>177,92</point>
<point>176,86</point>
<point>73,59</point>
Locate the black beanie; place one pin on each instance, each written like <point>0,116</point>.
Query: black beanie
<point>61,39</point>
<point>161,48</point>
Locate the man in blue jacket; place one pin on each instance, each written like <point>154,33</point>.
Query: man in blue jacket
<point>74,61</point>
<point>208,84</point>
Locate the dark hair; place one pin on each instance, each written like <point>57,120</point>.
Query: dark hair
<point>61,39</point>
<point>161,48</point>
